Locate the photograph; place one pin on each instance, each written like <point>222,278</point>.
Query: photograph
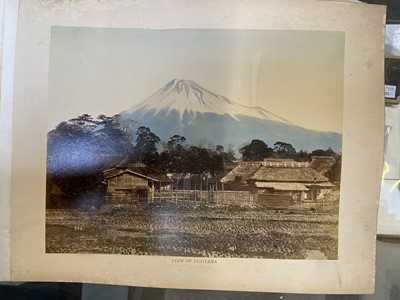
<point>204,143</point>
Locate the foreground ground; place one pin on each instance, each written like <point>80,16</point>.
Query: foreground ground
<point>201,231</point>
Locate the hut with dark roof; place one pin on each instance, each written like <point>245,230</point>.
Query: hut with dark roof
<point>131,184</point>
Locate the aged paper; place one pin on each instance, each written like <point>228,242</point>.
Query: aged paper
<point>8,22</point>
<point>362,147</point>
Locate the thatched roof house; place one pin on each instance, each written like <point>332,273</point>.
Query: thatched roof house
<point>297,172</point>
<point>241,172</point>
<point>278,177</point>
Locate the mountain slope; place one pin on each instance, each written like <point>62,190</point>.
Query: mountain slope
<point>187,96</point>
<point>185,108</point>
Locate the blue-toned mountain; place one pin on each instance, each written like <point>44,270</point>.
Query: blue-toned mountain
<point>185,108</point>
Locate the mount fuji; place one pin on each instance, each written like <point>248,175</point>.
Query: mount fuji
<point>186,108</point>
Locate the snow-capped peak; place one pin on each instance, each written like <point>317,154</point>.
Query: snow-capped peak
<point>186,95</point>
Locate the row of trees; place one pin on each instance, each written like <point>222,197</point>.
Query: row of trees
<point>85,144</point>
<point>177,156</point>
<point>259,150</point>
<point>81,148</point>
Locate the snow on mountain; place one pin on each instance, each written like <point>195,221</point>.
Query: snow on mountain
<point>188,97</point>
<point>185,108</point>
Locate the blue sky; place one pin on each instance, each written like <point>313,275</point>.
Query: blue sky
<point>297,75</point>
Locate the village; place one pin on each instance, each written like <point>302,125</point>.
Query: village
<point>272,208</point>
<point>190,200</point>
<point>269,182</point>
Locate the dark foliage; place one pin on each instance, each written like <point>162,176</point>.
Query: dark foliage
<point>337,169</point>
<point>145,149</point>
<point>256,150</point>
<point>302,156</point>
<point>178,157</point>
<point>284,150</point>
<point>328,152</point>
<point>77,152</point>
<point>80,149</point>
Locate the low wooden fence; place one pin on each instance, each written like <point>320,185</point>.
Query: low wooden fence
<point>245,198</point>
<point>205,197</point>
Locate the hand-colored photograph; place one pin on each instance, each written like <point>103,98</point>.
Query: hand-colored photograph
<point>217,143</point>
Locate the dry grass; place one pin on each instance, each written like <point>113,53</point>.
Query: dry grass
<point>201,231</point>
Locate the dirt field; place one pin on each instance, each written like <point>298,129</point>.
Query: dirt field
<point>198,232</point>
